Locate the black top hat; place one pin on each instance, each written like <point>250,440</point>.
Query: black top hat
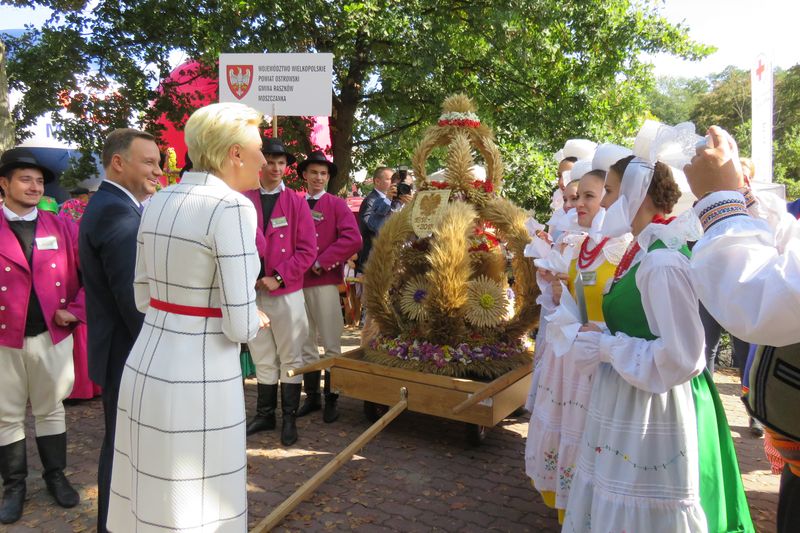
<point>319,158</point>
<point>274,146</point>
<point>23,158</point>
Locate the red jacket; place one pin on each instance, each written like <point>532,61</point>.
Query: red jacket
<point>338,239</point>
<point>289,249</point>
<point>54,277</point>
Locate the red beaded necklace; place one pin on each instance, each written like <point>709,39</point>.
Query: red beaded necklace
<point>633,249</point>
<point>586,257</point>
<point>627,259</point>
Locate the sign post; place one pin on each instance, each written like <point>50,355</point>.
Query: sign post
<point>761,84</point>
<point>289,84</point>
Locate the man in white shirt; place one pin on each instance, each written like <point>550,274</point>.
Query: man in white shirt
<point>746,271</point>
<point>41,300</point>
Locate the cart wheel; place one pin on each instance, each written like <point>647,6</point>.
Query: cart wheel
<point>373,411</point>
<point>476,434</point>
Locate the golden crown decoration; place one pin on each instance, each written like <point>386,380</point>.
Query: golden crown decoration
<point>437,280</point>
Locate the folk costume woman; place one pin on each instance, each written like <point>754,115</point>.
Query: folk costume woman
<point>180,455</point>
<point>562,398</point>
<point>561,251</point>
<point>656,453</point>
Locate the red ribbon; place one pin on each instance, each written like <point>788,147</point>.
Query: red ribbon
<point>187,310</point>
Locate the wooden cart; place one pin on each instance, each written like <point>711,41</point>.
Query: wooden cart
<point>482,405</point>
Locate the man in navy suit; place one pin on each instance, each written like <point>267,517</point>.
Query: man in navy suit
<point>108,257</point>
<point>374,210</point>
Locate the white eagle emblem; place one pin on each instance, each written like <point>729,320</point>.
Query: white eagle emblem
<point>240,77</point>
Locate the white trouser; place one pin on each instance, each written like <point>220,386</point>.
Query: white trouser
<point>277,349</point>
<point>42,373</point>
<point>325,322</point>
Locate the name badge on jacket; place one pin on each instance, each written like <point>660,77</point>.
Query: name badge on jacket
<point>47,243</point>
<point>316,215</point>
<point>279,222</point>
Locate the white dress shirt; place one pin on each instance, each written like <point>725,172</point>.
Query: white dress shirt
<point>746,271</point>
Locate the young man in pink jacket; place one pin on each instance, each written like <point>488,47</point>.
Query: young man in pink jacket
<point>287,251</point>
<point>41,301</point>
<point>338,239</point>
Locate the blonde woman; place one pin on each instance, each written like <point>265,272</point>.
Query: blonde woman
<point>179,450</point>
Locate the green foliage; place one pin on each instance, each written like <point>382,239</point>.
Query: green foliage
<point>787,155</point>
<point>78,170</point>
<point>530,174</point>
<point>672,100</point>
<point>727,104</point>
<point>787,102</point>
<point>546,70</point>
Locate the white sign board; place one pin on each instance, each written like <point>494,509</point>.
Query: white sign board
<point>281,84</point>
<point>762,90</point>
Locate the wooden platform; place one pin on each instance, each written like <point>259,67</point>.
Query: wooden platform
<point>474,402</point>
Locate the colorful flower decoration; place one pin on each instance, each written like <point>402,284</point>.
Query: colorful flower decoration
<point>413,349</point>
<point>483,241</point>
<point>487,303</point>
<point>72,209</point>
<point>484,185</point>
<point>455,118</point>
<point>412,298</point>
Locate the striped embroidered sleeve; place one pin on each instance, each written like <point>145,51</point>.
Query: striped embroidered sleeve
<point>747,272</point>
<point>234,237</point>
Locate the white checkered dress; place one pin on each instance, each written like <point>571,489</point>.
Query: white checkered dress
<point>180,458</point>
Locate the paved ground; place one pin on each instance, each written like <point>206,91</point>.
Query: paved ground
<point>417,475</point>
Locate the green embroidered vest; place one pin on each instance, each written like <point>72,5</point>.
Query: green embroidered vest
<point>622,306</point>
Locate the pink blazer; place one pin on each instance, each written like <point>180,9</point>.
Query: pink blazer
<point>288,249</point>
<point>54,277</point>
<point>338,238</point>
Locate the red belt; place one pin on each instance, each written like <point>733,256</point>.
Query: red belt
<point>188,310</point>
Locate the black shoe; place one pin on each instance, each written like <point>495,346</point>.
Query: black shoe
<point>331,412</point>
<point>60,488</point>
<point>265,409</point>
<point>53,453</point>
<point>756,428</point>
<point>290,400</point>
<point>311,386</point>
<point>14,469</point>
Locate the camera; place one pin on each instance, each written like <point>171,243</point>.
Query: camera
<point>403,189</point>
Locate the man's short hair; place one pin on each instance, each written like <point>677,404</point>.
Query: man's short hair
<point>120,140</point>
<point>571,159</point>
<point>379,171</point>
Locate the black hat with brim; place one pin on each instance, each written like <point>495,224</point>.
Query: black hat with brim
<point>318,158</point>
<point>274,146</point>
<point>23,158</point>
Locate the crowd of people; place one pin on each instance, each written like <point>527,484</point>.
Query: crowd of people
<point>627,429</point>
<point>159,292</point>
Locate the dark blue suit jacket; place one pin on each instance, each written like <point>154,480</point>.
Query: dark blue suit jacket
<point>107,249</point>
<point>371,215</point>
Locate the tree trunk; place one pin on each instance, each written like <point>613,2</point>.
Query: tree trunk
<point>342,123</point>
<point>7,137</point>
<point>344,115</point>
